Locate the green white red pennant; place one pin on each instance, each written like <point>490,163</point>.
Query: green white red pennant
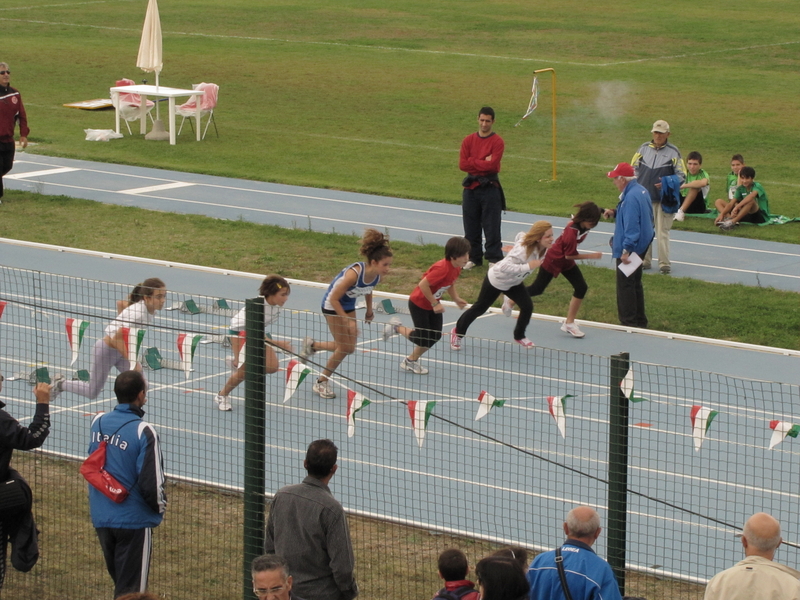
<point>782,430</point>
<point>75,330</point>
<point>487,402</point>
<point>355,402</point>
<point>627,387</point>
<point>558,410</point>
<point>132,340</point>
<point>2,308</point>
<point>296,372</point>
<point>701,420</point>
<point>420,412</point>
<point>187,345</point>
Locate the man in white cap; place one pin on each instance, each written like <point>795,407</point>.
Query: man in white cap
<point>653,160</point>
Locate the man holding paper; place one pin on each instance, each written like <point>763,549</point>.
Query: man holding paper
<point>633,233</point>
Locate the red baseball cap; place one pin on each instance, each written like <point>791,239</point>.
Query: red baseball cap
<point>621,170</point>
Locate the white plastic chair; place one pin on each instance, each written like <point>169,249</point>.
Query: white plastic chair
<point>208,103</point>
<point>129,105</point>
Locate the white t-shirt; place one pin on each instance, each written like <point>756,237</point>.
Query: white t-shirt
<point>135,314</point>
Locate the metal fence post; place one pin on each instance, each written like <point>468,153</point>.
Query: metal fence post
<point>254,439</point>
<point>618,468</point>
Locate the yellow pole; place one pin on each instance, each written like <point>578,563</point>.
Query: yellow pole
<point>553,71</point>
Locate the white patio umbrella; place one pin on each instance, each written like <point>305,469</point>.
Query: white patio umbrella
<point>150,60</point>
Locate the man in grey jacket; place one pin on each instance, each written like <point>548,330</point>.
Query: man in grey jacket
<point>308,527</point>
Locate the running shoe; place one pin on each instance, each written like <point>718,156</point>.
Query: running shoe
<point>57,386</point>
<point>727,225</point>
<point>680,215</point>
<point>470,265</point>
<point>413,366</point>
<point>455,341</point>
<point>307,349</point>
<point>390,328</point>
<point>324,389</point>
<point>572,329</point>
<point>223,403</point>
<point>508,306</point>
<point>525,343</point>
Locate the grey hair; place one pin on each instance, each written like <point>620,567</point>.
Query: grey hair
<point>626,178</point>
<point>763,544</point>
<point>3,64</point>
<point>270,562</point>
<point>580,528</point>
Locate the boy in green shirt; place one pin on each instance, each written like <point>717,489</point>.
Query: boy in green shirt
<point>694,190</point>
<point>749,204</point>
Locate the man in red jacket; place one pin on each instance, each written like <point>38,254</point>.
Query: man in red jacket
<point>483,200</point>
<point>11,112</point>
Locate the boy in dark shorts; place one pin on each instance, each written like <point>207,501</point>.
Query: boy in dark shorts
<point>694,191</point>
<point>749,204</point>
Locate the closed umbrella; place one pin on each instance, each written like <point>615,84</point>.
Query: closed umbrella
<point>150,59</point>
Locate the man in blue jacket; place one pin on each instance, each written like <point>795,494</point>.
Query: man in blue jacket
<point>587,575</point>
<point>133,457</point>
<point>633,232</point>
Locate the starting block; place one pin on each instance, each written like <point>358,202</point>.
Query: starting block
<point>42,375</point>
<point>220,307</point>
<point>386,307</point>
<point>222,339</point>
<point>154,361</point>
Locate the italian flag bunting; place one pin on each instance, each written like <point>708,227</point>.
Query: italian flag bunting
<point>296,372</point>
<point>487,402</point>
<point>782,430</point>
<point>420,412</point>
<point>558,410</point>
<point>75,330</point>
<point>701,421</point>
<point>627,387</point>
<point>187,345</point>
<point>132,339</point>
<point>2,308</point>
<point>355,402</point>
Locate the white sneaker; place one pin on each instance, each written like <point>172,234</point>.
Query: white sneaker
<point>223,403</point>
<point>324,389</point>
<point>413,366</point>
<point>680,215</point>
<point>508,306</point>
<point>468,266</point>
<point>572,329</point>
<point>727,225</point>
<point>455,341</point>
<point>57,386</point>
<point>526,343</point>
<point>390,328</point>
<point>307,348</point>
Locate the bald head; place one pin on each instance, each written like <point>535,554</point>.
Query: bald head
<point>761,535</point>
<point>583,523</point>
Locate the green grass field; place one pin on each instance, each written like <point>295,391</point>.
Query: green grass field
<point>376,96</point>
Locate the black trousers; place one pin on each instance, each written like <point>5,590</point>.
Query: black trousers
<point>482,210</point>
<point>630,298</point>
<point>6,161</point>
<point>487,296</point>
<point>127,554</point>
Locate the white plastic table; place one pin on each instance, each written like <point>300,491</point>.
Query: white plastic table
<point>158,92</point>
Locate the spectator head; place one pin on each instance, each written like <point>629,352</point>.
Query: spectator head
<point>486,110</point>
<point>761,536</point>
<point>321,459</point>
<point>583,524</point>
<point>695,156</point>
<point>747,173</point>
<point>456,247</point>
<point>271,577</point>
<point>130,387</point>
<point>515,553</point>
<point>501,579</point>
<point>453,565</point>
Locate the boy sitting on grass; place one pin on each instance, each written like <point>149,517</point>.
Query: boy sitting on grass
<point>749,204</point>
<point>732,179</point>
<point>694,190</point>
<point>453,568</point>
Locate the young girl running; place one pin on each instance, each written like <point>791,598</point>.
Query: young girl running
<point>339,305</point>
<point>139,310</point>
<point>425,307</point>
<point>275,290</point>
<point>560,258</point>
<point>506,277</point>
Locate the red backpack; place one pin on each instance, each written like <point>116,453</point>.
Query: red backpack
<point>94,471</point>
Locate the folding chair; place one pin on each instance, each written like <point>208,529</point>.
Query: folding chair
<point>130,105</point>
<point>208,103</point>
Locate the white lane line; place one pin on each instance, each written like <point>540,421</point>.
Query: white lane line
<point>41,173</point>
<point>157,188</point>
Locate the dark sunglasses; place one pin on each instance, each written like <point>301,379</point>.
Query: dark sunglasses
<point>5,72</point>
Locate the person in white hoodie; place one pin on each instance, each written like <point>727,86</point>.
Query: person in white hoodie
<point>507,277</point>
